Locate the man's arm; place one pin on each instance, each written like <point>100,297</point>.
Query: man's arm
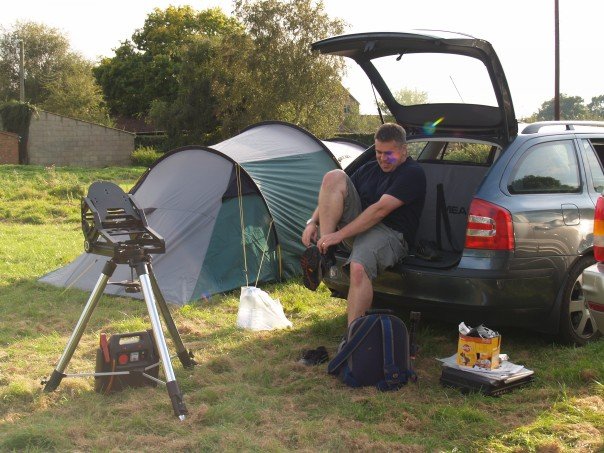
<point>371,216</point>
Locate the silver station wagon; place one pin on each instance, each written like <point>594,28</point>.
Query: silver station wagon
<point>507,227</point>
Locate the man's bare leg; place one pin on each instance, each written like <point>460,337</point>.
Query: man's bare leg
<point>331,200</point>
<point>360,292</point>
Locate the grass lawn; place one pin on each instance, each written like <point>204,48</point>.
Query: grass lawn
<point>248,392</point>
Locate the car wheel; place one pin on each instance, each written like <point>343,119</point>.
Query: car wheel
<point>576,325</point>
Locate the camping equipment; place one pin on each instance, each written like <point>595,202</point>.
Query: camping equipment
<point>259,311</point>
<point>114,226</point>
<point>505,378</point>
<point>376,351</point>
<point>134,354</point>
<point>487,384</point>
<point>231,214</point>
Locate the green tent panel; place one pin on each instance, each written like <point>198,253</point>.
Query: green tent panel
<point>261,261</point>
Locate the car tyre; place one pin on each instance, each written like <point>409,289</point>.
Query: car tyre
<point>576,325</point>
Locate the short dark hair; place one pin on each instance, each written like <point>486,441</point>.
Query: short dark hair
<point>391,132</point>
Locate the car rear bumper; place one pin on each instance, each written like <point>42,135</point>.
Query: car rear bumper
<point>523,290</point>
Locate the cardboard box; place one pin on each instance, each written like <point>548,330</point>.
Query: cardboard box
<point>478,352</point>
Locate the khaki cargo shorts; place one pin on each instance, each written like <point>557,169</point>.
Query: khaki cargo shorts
<point>377,248</point>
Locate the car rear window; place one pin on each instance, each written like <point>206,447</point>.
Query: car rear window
<point>458,152</point>
<point>444,78</point>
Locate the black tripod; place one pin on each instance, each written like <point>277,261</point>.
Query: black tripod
<point>114,226</point>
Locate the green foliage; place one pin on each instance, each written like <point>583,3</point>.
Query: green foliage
<point>45,52</point>
<point>56,79</point>
<point>158,141</point>
<point>38,195</point>
<point>596,107</point>
<point>571,108</point>
<point>144,156</point>
<point>29,440</point>
<point>123,80</point>
<point>75,93</point>
<point>404,96</point>
<point>355,123</point>
<point>270,73</point>
<point>468,152</point>
<point>15,117</point>
<point>365,139</point>
<point>202,76</point>
<point>146,69</point>
<point>191,113</point>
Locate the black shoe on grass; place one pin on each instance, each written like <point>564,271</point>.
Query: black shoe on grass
<point>312,267</point>
<point>314,356</point>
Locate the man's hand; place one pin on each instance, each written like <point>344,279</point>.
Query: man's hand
<point>310,234</point>
<point>328,240</point>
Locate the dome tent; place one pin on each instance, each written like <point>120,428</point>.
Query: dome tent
<point>263,181</point>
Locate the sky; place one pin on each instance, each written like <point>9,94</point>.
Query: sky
<point>521,32</point>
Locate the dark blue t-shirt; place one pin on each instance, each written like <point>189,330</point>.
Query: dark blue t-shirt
<point>407,183</point>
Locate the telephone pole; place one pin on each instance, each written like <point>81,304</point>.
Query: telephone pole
<point>22,71</point>
<point>557,61</point>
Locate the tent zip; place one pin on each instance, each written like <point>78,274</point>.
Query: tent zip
<point>242,223</point>
<point>264,250</point>
<point>240,199</point>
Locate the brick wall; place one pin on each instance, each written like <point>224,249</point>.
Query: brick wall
<point>62,141</point>
<point>9,148</point>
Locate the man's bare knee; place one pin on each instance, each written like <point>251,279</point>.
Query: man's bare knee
<point>334,180</point>
<point>357,273</point>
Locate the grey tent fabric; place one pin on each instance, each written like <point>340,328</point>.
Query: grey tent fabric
<point>195,197</point>
<point>344,151</point>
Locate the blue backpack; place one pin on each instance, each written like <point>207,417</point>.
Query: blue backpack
<point>377,351</point>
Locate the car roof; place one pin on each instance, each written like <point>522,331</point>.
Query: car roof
<point>477,120</point>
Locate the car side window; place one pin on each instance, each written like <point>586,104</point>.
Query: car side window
<point>595,166</point>
<point>547,168</point>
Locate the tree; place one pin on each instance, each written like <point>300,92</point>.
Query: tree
<point>190,117</point>
<point>596,107</point>
<point>405,96</point>
<point>146,70</point>
<point>46,50</point>
<point>75,93</point>
<point>571,108</point>
<point>56,79</point>
<point>270,73</point>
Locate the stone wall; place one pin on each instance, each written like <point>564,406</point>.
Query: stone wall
<point>62,141</point>
<point>9,148</point>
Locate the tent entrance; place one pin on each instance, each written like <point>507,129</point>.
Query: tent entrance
<point>224,265</point>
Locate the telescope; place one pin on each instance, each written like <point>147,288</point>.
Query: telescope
<point>114,226</point>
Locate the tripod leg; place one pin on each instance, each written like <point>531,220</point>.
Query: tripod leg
<point>186,358</point>
<point>97,292</point>
<point>173,391</point>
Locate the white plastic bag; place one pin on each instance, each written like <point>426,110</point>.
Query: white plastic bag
<point>258,311</point>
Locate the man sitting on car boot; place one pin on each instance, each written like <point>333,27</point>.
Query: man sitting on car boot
<point>374,213</point>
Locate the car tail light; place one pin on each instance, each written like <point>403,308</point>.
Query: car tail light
<point>599,230</point>
<point>489,227</point>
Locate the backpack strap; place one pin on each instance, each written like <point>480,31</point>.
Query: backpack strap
<point>351,344</point>
<point>393,377</point>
